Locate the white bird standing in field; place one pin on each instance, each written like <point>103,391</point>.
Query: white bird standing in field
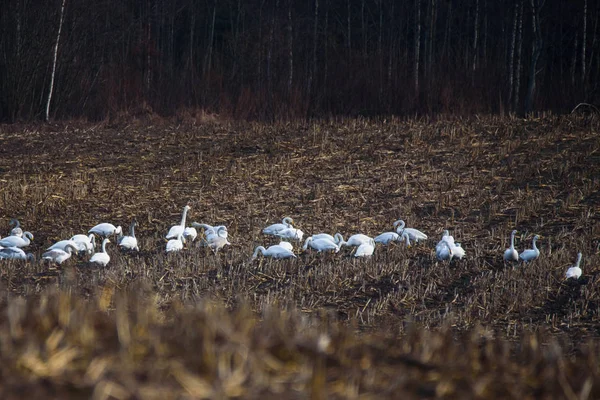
<point>320,245</point>
<point>62,245</point>
<point>129,242</point>
<point>276,251</point>
<point>365,249</point>
<point>275,228</point>
<point>531,254</point>
<point>290,233</point>
<point>575,271</point>
<point>356,240</point>
<point>175,244</point>
<point>443,251</point>
<point>105,229</point>
<point>511,254</point>
<point>16,231</point>
<point>414,234</point>
<point>85,243</point>
<point>58,256</point>
<point>216,232</point>
<point>210,230</point>
<point>15,241</point>
<point>101,258</point>
<point>337,239</point>
<point>15,253</point>
<point>179,229</point>
<point>218,243</point>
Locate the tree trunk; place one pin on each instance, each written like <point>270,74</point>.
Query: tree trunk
<point>583,43</point>
<point>313,70</point>
<point>535,54</point>
<point>417,42</point>
<point>211,37</point>
<point>518,67</point>
<point>290,50</point>
<point>511,70</point>
<point>475,40</point>
<point>54,59</point>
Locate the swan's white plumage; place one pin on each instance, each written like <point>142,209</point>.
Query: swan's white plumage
<point>443,250</point>
<point>16,231</point>
<point>275,228</point>
<point>531,254</point>
<point>85,243</point>
<point>276,251</point>
<point>387,238</point>
<point>101,258</point>
<point>286,245</point>
<point>105,229</point>
<point>59,256</point>
<point>320,245</point>
<point>190,233</point>
<point>290,233</point>
<point>63,244</point>
<point>414,234</point>
<point>575,270</point>
<point>175,244</point>
<point>129,242</point>
<point>356,240</point>
<point>15,241</point>
<point>178,229</point>
<point>511,254</point>
<point>15,253</point>
<point>365,249</point>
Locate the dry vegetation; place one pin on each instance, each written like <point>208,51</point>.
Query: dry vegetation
<point>199,325</point>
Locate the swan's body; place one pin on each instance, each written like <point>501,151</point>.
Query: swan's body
<point>458,251</point>
<point>175,244</point>
<point>531,254</point>
<point>286,245</point>
<point>129,242</point>
<point>15,241</point>
<point>176,230</point>
<point>443,251</point>
<point>85,243</point>
<point>190,233</point>
<point>365,249</point>
<point>356,240</point>
<point>59,256</point>
<point>575,270</point>
<point>105,229</point>
<point>275,251</point>
<point>16,231</point>
<point>211,231</point>
<point>290,233</point>
<point>101,258</point>
<point>511,254</point>
<point>387,238</point>
<point>320,245</point>
<point>337,239</point>
<point>448,238</point>
<point>414,234</point>
<point>218,243</point>
<point>62,245</point>
<point>15,253</point>
<point>275,228</point>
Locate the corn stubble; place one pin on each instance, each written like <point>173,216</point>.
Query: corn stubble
<point>200,325</point>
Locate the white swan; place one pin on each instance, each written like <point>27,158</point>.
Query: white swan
<point>458,251</point>
<point>387,237</point>
<point>179,229</point>
<point>101,258</point>
<point>190,233</point>
<point>320,245</point>
<point>575,271</point>
<point>63,244</point>
<point>337,239</point>
<point>129,242</point>
<point>356,240</point>
<point>85,243</point>
<point>448,238</point>
<point>15,241</point>
<point>529,254</point>
<point>15,253</point>
<point>511,254</point>
<point>105,229</point>
<point>443,251</point>
<point>217,232</point>
<point>217,243</point>
<point>210,230</point>
<point>365,249</point>
<point>175,244</point>
<point>414,234</point>
<point>290,233</point>
<point>59,256</point>
<point>16,231</point>
<point>276,251</point>
<point>286,245</point>
<point>273,229</point>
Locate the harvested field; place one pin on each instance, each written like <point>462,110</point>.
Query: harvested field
<point>402,323</point>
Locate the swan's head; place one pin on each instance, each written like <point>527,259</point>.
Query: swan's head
<point>288,221</point>
<point>536,237</point>
<point>187,208</point>
<point>446,233</point>
<point>15,222</point>
<point>29,235</point>
<point>514,232</point>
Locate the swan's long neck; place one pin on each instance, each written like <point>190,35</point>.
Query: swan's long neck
<point>259,249</point>
<point>287,221</point>
<point>401,225</point>
<point>104,245</point>
<point>306,242</point>
<point>183,216</point>
<point>533,245</point>
<point>512,240</point>
<point>132,229</point>
<point>578,260</point>
<point>407,239</point>
<point>339,239</point>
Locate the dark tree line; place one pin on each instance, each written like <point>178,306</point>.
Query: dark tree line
<point>282,58</point>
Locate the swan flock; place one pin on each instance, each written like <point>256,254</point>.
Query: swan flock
<point>216,238</point>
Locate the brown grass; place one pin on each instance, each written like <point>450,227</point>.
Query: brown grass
<point>322,326</point>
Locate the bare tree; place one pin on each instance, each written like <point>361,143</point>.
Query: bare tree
<point>54,58</point>
<point>290,49</point>
<point>475,38</point>
<point>584,39</point>
<point>518,67</point>
<point>417,42</point>
<point>511,70</point>
<point>536,50</point>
